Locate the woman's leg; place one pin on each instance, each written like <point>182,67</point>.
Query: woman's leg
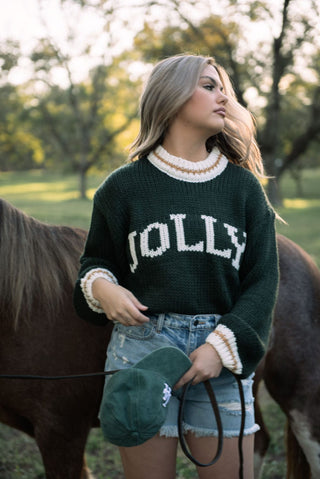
<point>154,459</point>
<point>227,466</point>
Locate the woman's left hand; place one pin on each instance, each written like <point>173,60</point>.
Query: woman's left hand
<point>206,364</point>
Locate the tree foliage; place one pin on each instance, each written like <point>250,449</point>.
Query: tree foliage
<point>75,122</point>
<point>271,75</point>
<point>81,122</point>
<point>20,147</point>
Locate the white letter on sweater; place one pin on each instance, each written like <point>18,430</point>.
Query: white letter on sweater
<point>181,242</point>
<point>132,248</point>
<point>164,240</point>
<point>239,247</point>
<point>209,220</point>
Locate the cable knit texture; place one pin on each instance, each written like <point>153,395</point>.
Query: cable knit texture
<point>86,286</point>
<point>191,238</point>
<point>186,170</point>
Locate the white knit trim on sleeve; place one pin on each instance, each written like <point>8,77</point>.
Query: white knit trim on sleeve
<point>225,343</point>
<point>86,286</point>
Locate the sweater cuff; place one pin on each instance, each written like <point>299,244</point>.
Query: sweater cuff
<point>86,286</point>
<point>224,342</point>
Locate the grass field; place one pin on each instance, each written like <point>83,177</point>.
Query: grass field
<point>53,198</point>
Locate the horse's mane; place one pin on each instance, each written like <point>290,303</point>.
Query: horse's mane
<point>38,264</point>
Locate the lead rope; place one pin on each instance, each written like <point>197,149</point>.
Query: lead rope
<point>243,419</point>
<point>50,378</point>
<point>182,440</point>
<point>215,408</point>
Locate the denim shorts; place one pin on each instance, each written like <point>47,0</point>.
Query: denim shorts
<point>129,344</point>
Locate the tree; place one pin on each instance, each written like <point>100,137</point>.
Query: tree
<point>286,46</point>
<point>81,121</point>
<point>77,113</point>
<point>19,146</point>
<point>261,69</point>
<point>81,117</point>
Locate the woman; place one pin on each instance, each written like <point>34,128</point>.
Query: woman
<point>181,251</point>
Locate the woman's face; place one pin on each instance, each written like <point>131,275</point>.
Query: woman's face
<point>205,111</point>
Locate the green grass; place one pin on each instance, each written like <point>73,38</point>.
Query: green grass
<point>49,197</point>
<point>302,214</point>
<point>54,198</point>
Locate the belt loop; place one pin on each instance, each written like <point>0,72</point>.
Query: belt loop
<point>160,322</point>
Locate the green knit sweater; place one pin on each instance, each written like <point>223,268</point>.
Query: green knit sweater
<point>188,238</point>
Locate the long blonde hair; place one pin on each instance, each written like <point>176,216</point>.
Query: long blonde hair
<point>171,84</point>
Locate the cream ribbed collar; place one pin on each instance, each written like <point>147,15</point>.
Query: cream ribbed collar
<point>194,172</point>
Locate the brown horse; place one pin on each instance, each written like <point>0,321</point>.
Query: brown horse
<point>41,335</point>
<point>290,368</point>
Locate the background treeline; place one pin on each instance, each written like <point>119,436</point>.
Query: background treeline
<point>57,119</point>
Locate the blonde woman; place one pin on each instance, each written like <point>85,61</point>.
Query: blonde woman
<point>181,251</point>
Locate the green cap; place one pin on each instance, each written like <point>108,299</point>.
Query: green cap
<point>133,406</point>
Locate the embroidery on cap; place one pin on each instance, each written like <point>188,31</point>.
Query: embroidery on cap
<point>166,394</point>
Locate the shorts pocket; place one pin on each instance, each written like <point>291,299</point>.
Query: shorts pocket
<point>145,332</point>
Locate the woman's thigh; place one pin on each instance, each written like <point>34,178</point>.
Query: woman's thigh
<point>227,466</point>
<point>154,459</point>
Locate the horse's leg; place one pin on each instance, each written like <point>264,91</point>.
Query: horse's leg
<point>298,396</point>
<point>291,372</point>
<point>262,437</point>
<point>62,452</point>
<point>261,442</point>
<point>303,427</point>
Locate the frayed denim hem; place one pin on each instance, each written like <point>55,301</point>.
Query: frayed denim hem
<point>169,431</point>
<point>172,431</point>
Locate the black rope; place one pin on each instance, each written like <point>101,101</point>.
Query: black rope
<point>71,376</point>
<point>243,419</point>
<point>218,419</point>
<point>219,425</point>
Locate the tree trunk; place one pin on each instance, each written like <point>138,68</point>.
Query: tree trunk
<point>83,185</point>
<point>273,192</point>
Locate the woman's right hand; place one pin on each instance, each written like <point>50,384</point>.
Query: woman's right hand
<point>118,303</point>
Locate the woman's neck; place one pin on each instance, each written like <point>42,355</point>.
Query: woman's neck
<point>186,148</point>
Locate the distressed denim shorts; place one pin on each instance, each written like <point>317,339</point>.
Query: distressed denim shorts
<point>129,344</point>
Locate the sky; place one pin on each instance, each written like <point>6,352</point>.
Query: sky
<point>22,19</point>
<point>28,20</point>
